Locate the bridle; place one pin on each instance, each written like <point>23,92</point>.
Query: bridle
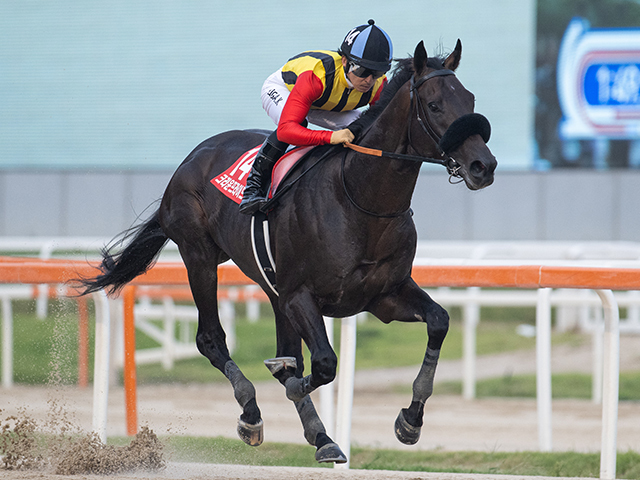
<point>456,134</point>
<point>450,163</point>
<point>461,128</point>
<point>446,160</point>
<point>452,166</point>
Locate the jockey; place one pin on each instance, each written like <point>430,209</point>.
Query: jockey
<point>324,88</point>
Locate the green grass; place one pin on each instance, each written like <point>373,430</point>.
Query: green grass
<point>565,385</point>
<point>46,350</point>
<point>565,464</point>
<point>378,345</point>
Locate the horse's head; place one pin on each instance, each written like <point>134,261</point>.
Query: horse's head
<point>442,113</point>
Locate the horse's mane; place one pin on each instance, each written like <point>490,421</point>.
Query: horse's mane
<point>400,75</point>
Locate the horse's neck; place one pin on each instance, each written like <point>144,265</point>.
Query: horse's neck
<point>382,184</point>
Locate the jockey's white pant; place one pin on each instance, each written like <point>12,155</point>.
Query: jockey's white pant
<point>275,94</point>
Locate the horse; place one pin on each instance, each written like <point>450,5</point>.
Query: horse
<point>341,235</point>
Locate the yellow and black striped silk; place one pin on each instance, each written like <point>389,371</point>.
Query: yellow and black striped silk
<point>327,66</point>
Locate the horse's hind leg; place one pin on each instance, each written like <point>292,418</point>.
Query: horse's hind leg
<point>201,262</point>
<point>410,303</point>
<point>289,364</point>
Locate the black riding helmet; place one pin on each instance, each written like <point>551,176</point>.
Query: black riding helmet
<point>368,46</point>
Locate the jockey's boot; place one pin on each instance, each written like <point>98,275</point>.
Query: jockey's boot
<point>255,194</point>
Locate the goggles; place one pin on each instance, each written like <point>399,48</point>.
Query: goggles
<point>364,72</point>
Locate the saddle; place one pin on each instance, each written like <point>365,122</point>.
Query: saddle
<point>233,181</point>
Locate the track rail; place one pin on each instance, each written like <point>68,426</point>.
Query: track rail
<point>542,277</point>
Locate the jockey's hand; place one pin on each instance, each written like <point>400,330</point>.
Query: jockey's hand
<point>342,136</point>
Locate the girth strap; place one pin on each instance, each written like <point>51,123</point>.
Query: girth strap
<point>262,249</point>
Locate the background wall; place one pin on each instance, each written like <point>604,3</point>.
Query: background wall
<point>101,101</point>
<point>577,205</point>
<point>139,84</point>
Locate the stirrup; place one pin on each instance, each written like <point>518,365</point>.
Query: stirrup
<point>252,205</point>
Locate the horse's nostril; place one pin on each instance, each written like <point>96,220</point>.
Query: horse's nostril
<point>477,168</point>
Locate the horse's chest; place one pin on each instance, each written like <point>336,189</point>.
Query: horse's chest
<point>364,279</point>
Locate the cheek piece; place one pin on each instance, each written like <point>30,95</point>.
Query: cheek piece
<point>463,128</point>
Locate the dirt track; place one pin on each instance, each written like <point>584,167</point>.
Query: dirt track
<point>242,472</point>
<point>451,423</point>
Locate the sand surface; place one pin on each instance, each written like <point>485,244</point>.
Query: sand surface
<point>451,423</point>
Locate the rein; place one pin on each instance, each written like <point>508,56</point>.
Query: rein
<point>452,166</point>
<point>353,202</point>
<point>450,163</point>
<point>397,156</point>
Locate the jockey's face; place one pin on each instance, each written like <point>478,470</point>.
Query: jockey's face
<point>362,85</point>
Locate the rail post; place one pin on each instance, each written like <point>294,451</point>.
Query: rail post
<point>543,370</point>
<point>345,386</point>
<point>471,319</point>
<point>610,383</point>
<point>7,343</point>
<point>129,300</point>
<point>101,365</point>
<point>83,342</point>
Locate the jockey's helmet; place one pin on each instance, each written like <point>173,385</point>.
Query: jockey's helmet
<point>368,46</point>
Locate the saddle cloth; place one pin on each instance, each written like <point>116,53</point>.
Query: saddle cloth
<point>233,181</point>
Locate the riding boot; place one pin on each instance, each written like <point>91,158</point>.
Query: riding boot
<point>255,193</point>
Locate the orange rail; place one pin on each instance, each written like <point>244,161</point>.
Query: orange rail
<point>35,271</point>
<point>527,276</point>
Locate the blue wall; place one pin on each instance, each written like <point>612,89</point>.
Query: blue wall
<point>137,84</point>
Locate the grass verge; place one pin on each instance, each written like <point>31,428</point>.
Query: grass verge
<point>561,464</point>
<point>565,385</point>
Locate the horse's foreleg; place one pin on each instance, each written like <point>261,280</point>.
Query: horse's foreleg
<point>412,304</point>
<point>327,451</point>
<point>308,323</point>
<point>289,364</point>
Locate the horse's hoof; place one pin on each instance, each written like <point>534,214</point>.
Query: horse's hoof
<point>405,432</point>
<point>276,364</point>
<point>251,434</point>
<point>330,453</point>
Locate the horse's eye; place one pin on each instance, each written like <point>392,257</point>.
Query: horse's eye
<point>433,107</point>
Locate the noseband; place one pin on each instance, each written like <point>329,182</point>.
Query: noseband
<point>458,131</point>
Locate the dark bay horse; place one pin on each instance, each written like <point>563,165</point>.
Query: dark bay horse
<point>342,238</point>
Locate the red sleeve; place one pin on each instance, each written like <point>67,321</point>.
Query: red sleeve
<point>307,89</point>
<point>379,92</point>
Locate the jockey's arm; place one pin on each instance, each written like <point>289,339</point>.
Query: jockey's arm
<point>307,89</point>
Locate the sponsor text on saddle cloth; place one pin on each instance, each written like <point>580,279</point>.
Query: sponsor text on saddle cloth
<point>232,181</point>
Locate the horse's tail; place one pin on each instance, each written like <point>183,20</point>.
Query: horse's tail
<point>145,242</point>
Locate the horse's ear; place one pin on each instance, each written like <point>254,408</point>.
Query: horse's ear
<point>453,60</point>
<point>419,58</point>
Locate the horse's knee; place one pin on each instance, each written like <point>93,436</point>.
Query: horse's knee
<point>437,325</point>
<point>323,369</point>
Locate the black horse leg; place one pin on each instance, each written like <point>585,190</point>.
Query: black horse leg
<point>211,338</point>
<point>309,324</point>
<point>289,364</point>
<point>410,303</point>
